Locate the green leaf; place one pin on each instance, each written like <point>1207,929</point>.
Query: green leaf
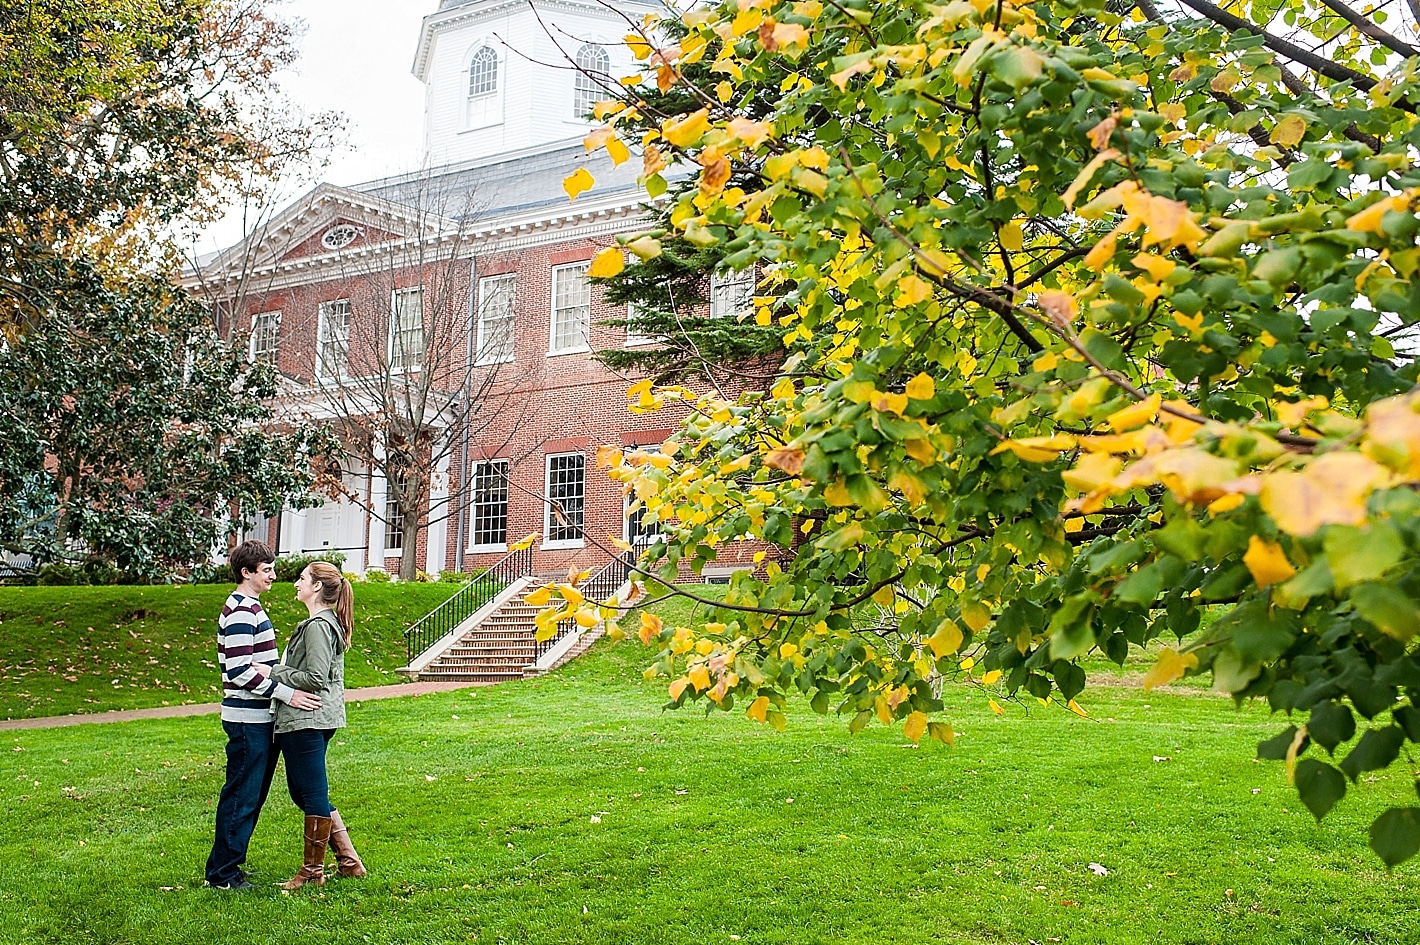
<point>1408,717</point>
<point>869,496</point>
<point>1319,785</point>
<point>1392,611</point>
<point>1395,835</point>
<point>1232,673</point>
<point>1141,587</point>
<point>1182,537</point>
<point>1070,632</point>
<point>1331,724</point>
<point>1312,581</point>
<point>1263,634</point>
<point>1362,554</point>
<point>1276,747</point>
<point>1070,679</point>
<point>1376,749</point>
<point>1018,66</point>
<point>842,539</point>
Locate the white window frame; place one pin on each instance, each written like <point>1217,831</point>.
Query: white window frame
<point>586,91</point>
<point>258,330</point>
<point>395,330</point>
<point>547,516</point>
<point>500,289</point>
<point>490,79</point>
<point>394,518</point>
<point>635,339</point>
<point>324,313</point>
<point>558,274</point>
<point>473,506</point>
<point>731,293</point>
<point>642,540</point>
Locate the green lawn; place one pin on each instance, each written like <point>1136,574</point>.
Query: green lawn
<point>572,809</point>
<point>91,649</point>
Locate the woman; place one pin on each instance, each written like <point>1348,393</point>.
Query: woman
<point>315,661</point>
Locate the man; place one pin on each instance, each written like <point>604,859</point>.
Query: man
<point>246,650</point>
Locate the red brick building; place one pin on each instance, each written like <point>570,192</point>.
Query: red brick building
<point>446,314</point>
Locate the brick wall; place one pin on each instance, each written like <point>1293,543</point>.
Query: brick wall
<point>537,405</point>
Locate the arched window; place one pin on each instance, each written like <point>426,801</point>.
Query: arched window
<point>593,72</point>
<point>483,73</point>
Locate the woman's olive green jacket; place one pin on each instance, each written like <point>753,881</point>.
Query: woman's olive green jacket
<point>314,661</point>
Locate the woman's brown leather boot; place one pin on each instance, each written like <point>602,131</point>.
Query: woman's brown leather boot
<point>313,868</point>
<point>347,861</point>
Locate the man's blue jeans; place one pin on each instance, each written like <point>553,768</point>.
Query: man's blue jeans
<point>251,761</point>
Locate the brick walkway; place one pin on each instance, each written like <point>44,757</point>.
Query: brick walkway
<point>178,711</point>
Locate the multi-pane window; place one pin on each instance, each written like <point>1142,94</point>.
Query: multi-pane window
<point>333,351</point>
<point>634,337</point>
<point>638,530</point>
<point>593,71</point>
<point>394,515</point>
<point>731,293</point>
<point>490,503</point>
<point>407,329</point>
<point>566,497</point>
<point>483,72</point>
<point>571,308</point>
<point>265,336</point>
<point>495,319</point>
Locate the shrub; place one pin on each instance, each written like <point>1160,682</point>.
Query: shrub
<point>57,574</point>
<point>289,567</point>
<point>377,576</point>
<point>462,577</point>
<point>208,572</point>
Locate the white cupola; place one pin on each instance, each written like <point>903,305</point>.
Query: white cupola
<point>499,75</point>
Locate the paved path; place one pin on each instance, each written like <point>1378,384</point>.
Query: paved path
<point>212,708</point>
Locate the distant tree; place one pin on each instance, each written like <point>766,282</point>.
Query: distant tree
<point>133,434</point>
<point>669,293</point>
<point>669,299</point>
<point>417,379</point>
<point>120,121</point>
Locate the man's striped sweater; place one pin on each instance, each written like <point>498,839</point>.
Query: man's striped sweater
<point>246,650</point>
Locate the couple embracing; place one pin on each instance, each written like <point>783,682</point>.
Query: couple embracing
<point>288,708</point>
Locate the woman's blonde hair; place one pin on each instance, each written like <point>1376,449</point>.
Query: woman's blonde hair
<point>336,593</point>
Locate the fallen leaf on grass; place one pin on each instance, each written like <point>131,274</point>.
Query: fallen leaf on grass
<point>1098,870</point>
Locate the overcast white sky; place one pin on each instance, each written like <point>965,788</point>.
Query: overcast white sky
<point>355,59</point>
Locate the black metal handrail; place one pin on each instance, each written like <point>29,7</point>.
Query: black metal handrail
<point>598,587</point>
<point>433,626</point>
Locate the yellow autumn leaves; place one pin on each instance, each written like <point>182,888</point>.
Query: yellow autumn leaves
<point>1301,493</point>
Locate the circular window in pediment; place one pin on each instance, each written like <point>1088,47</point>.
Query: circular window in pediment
<point>340,236</point>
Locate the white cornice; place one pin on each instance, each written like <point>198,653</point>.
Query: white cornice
<point>485,9</point>
<point>612,216</point>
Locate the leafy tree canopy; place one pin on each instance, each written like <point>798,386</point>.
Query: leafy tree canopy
<point>1099,323</point>
<point>129,432</point>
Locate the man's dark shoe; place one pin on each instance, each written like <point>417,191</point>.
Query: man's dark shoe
<point>240,883</point>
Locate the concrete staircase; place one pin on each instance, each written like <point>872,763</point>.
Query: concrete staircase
<point>502,646</point>
<point>499,642</point>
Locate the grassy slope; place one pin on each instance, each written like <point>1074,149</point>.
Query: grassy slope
<point>63,648</point>
<point>474,811</point>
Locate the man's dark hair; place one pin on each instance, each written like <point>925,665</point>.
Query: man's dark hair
<point>249,556</point>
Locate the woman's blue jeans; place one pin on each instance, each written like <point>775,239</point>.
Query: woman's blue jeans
<point>304,753</point>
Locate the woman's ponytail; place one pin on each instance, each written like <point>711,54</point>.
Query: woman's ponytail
<point>337,594</point>
<point>345,608</point>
